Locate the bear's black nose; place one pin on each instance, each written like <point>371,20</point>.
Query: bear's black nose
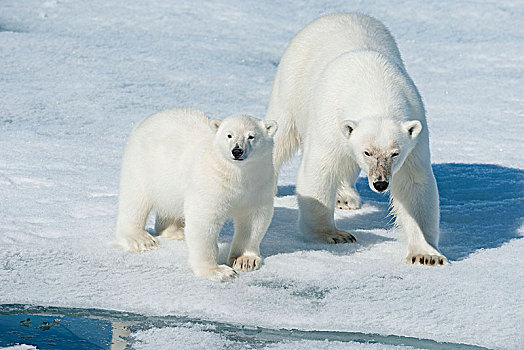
<point>380,185</point>
<point>237,152</point>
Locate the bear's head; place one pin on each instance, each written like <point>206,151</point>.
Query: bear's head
<point>380,146</point>
<point>243,138</point>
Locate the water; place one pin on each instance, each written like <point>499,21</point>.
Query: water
<point>65,328</point>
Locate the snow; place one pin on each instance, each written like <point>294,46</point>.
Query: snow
<point>196,338</point>
<point>75,77</point>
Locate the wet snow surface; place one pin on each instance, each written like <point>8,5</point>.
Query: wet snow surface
<point>75,77</point>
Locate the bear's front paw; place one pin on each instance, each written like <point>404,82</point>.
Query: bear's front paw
<point>137,242</point>
<point>339,236</point>
<point>221,273</point>
<point>426,259</point>
<point>246,263</point>
<point>348,201</point>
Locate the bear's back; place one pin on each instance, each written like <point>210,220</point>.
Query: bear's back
<point>314,48</point>
<point>332,35</point>
<point>165,139</point>
<point>179,122</point>
<point>162,151</point>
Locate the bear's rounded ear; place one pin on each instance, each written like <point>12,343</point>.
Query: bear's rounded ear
<point>214,124</point>
<point>413,128</point>
<point>347,127</point>
<point>271,127</point>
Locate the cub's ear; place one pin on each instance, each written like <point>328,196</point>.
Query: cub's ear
<point>347,127</point>
<point>214,124</point>
<point>271,127</point>
<point>413,128</point>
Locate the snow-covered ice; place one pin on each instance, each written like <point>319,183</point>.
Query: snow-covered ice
<point>75,77</point>
<point>196,338</point>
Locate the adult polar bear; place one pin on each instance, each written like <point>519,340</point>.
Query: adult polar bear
<point>196,172</point>
<point>342,94</point>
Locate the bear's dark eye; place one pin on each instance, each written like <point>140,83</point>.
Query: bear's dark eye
<point>394,154</point>
<point>250,137</point>
<point>367,154</point>
<point>229,136</point>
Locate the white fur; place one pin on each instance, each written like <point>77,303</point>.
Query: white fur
<point>340,91</point>
<point>180,163</point>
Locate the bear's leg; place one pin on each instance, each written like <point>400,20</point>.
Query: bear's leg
<point>169,227</point>
<point>201,231</point>
<point>347,195</point>
<point>316,192</point>
<point>415,204</point>
<point>250,228</point>
<point>133,209</point>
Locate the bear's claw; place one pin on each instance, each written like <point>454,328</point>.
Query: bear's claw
<point>246,263</point>
<point>427,259</point>
<point>339,236</point>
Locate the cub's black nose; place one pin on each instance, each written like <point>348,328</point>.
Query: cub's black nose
<point>380,186</point>
<point>237,152</point>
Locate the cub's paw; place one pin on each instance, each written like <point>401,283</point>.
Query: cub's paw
<point>348,200</point>
<point>174,233</point>
<point>339,236</point>
<point>221,273</point>
<point>426,259</point>
<point>137,242</point>
<point>247,263</point>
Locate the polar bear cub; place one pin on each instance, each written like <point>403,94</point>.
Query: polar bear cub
<point>197,172</point>
<point>342,94</point>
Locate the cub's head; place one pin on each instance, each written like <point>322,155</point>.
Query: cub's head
<point>243,138</point>
<point>380,146</point>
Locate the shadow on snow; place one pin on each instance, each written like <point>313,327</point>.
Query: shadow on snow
<point>481,207</point>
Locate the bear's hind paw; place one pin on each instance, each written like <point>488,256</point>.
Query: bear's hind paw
<point>174,233</point>
<point>348,202</point>
<point>339,236</point>
<point>138,242</point>
<point>221,273</point>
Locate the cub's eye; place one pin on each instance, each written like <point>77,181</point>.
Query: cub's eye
<point>250,137</point>
<point>229,136</point>
<point>394,154</point>
<point>367,154</point>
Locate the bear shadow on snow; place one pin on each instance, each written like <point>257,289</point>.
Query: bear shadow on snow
<point>283,235</point>
<point>481,207</point>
